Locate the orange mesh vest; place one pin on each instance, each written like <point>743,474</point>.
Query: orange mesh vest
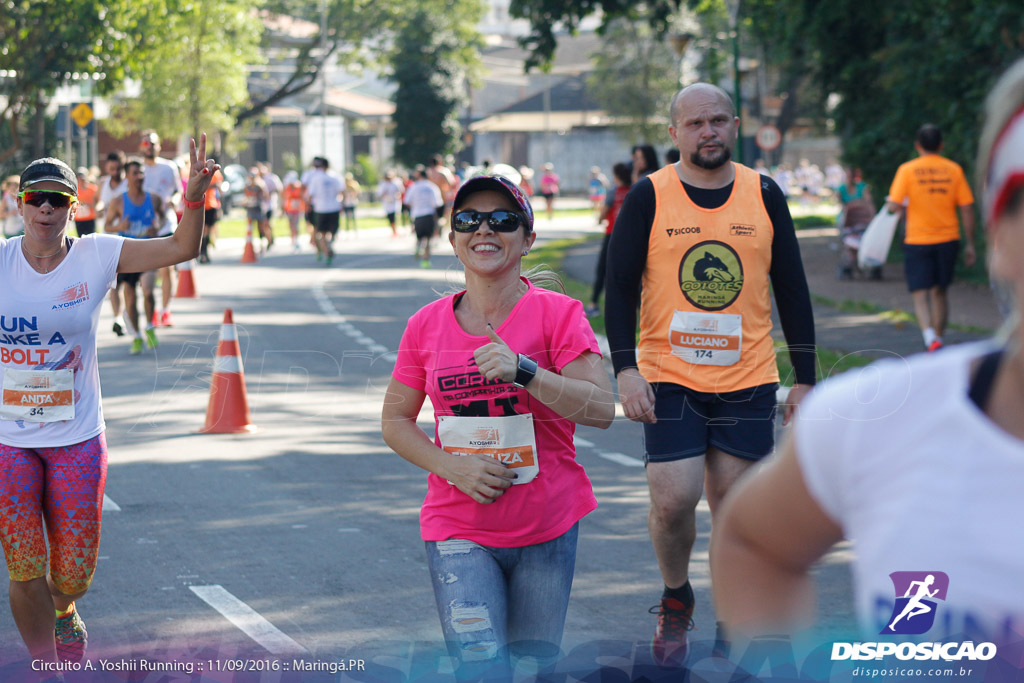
<point>705,313</point>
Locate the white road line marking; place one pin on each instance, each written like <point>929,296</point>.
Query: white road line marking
<point>621,458</point>
<point>109,505</point>
<point>248,620</point>
<point>339,321</point>
<point>582,442</point>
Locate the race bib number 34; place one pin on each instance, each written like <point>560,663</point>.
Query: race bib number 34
<point>38,395</point>
<point>510,440</point>
<point>706,338</point>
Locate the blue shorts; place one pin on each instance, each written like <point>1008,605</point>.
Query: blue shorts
<point>930,265</point>
<point>740,423</point>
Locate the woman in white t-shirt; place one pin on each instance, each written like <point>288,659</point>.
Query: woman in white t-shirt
<point>53,454</point>
<point>918,461</point>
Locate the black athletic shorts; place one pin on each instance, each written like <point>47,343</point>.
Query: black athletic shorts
<point>425,225</point>
<point>85,227</point>
<point>211,217</point>
<point>131,278</point>
<point>311,217</point>
<point>930,265</point>
<point>740,423</point>
<point>327,222</point>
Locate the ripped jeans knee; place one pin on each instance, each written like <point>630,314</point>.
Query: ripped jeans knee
<point>492,600</point>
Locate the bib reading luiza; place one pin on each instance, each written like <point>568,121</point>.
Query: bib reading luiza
<point>38,395</point>
<point>510,440</point>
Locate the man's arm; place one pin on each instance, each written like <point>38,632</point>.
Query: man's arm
<point>967,220</point>
<point>627,258</point>
<point>792,297</point>
<point>115,212</point>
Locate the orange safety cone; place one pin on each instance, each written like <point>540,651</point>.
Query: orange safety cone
<point>186,282</point>
<point>228,410</point>
<point>249,255</point>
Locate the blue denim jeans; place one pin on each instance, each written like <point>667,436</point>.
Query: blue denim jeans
<point>494,602</point>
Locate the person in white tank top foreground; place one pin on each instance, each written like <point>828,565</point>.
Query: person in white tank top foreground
<point>53,455</point>
<point>924,477</point>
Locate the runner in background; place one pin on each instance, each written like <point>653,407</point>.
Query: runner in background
<point>10,217</point>
<point>272,201</point>
<point>503,519</point>
<point>549,183</point>
<point>389,192</point>
<point>85,217</point>
<point>294,204</point>
<point>112,184</point>
<point>162,178</point>
<point>934,193</point>
<point>212,208</point>
<point>349,202</point>
<point>623,176</point>
<point>138,215</point>
<point>597,190</point>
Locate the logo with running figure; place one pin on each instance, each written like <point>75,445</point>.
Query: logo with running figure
<point>711,275</point>
<point>916,596</point>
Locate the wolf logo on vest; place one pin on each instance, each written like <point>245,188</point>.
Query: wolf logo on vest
<point>710,267</point>
<point>711,275</point>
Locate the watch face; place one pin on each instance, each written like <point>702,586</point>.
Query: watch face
<point>525,371</point>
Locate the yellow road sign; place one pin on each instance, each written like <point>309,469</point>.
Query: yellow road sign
<point>81,114</point>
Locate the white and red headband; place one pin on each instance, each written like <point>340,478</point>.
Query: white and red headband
<point>1006,167</point>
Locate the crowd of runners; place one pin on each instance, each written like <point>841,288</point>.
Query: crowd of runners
<point>697,250</point>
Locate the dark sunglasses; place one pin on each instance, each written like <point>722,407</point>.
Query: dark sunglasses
<point>56,198</point>
<point>499,221</point>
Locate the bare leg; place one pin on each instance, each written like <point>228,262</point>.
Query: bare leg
<point>675,490</point>
<point>32,608</point>
<point>131,307</point>
<point>922,308</point>
<point>722,472</point>
<point>940,310</point>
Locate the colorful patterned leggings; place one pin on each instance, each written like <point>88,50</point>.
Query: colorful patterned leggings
<point>62,486</point>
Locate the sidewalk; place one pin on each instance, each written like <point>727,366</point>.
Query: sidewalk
<point>971,306</point>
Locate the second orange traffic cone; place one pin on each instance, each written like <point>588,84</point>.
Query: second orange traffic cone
<point>186,282</point>
<point>249,255</point>
<point>228,410</point>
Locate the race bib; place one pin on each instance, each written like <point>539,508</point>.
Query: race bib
<point>706,338</point>
<point>509,440</point>
<point>38,395</point>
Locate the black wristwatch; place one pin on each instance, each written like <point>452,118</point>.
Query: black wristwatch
<point>526,370</point>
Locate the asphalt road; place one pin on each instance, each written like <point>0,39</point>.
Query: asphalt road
<point>301,541</point>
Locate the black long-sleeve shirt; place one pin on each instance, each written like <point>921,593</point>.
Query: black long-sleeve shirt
<point>627,258</point>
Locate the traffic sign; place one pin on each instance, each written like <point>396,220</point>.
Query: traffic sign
<point>81,114</point>
<point>768,137</point>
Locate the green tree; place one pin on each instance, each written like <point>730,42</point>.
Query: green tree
<point>194,78</point>
<point>44,42</point>
<point>358,33</point>
<point>635,75</point>
<point>435,52</point>
<point>546,16</point>
<point>895,66</point>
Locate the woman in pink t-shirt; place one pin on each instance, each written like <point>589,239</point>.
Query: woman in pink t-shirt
<point>510,370</point>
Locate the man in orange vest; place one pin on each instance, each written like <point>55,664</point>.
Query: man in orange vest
<point>85,219</point>
<point>933,190</point>
<point>704,237</point>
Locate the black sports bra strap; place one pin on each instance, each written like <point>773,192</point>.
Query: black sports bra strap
<point>984,378</point>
